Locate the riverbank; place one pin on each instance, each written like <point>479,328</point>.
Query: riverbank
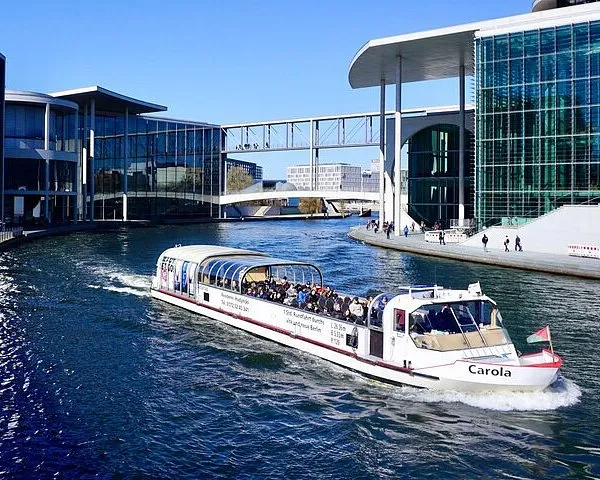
<point>541,262</point>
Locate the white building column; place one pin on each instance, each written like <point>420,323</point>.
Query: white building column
<point>398,148</point>
<point>382,153</point>
<point>316,158</point>
<point>461,148</point>
<point>46,149</point>
<point>125,163</point>
<point>311,179</point>
<point>92,141</point>
<point>75,134</point>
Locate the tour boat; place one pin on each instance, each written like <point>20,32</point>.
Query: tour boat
<point>423,336</point>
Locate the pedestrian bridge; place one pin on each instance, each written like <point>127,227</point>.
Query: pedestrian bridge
<point>280,194</point>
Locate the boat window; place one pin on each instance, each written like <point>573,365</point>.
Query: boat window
<point>376,308</point>
<point>457,325</point>
<point>399,320</point>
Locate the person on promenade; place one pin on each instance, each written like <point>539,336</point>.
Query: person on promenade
<point>388,230</point>
<point>484,240</point>
<point>506,243</point>
<point>406,231</point>
<point>442,238</point>
<point>422,226</point>
<point>518,246</point>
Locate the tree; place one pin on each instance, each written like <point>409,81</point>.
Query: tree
<point>310,205</point>
<point>238,179</point>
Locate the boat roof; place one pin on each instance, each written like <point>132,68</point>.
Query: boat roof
<point>199,253</point>
<point>202,253</point>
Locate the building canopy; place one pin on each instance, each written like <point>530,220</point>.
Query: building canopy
<point>108,101</point>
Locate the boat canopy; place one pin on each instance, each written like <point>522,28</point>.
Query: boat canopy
<point>236,268</point>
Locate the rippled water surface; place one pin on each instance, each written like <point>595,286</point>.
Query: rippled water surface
<point>97,380</point>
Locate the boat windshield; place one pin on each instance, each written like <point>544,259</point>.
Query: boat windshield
<point>456,325</point>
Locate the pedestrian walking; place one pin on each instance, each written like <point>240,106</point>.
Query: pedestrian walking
<point>518,246</point>
<point>506,243</point>
<point>406,231</point>
<point>484,240</point>
<point>442,237</point>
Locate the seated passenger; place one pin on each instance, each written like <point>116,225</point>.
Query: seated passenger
<point>356,310</point>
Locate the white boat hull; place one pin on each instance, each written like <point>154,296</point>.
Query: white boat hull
<point>323,337</point>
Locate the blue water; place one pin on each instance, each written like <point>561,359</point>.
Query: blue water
<point>98,380</point>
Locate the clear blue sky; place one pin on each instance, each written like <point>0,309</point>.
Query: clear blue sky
<point>226,62</point>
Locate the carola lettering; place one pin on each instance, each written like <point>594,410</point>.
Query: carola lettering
<point>496,372</point>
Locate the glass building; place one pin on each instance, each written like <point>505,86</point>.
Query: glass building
<point>2,88</point>
<point>137,166</point>
<point>537,121</point>
<point>40,159</point>
<point>433,155</point>
<point>171,168</point>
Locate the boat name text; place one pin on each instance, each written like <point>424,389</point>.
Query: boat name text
<point>496,372</point>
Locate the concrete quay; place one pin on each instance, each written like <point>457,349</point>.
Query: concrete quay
<point>541,262</point>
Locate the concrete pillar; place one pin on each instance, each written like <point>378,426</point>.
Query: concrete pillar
<point>461,148</point>
<point>316,159</point>
<point>126,162</point>
<point>75,197</point>
<point>91,153</point>
<point>382,152</point>
<point>47,148</point>
<point>311,170</point>
<point>398,148</point>
<point>84,165</point>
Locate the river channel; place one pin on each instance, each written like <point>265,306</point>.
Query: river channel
<point>98,380</point>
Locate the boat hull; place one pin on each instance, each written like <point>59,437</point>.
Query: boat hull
<point>458,375</point>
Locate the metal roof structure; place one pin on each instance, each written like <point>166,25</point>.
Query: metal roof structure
<point>108,101</point>
<point>437,54</point>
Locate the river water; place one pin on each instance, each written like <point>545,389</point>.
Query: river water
<point>98,380</point>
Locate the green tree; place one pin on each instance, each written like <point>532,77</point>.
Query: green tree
<point>310,205</point>
<point>238,179</point>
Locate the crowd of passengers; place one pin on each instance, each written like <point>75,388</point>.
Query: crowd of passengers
<point>316,299</point>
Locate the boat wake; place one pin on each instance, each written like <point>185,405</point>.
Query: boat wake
<point>562,393</point>
<point>122,282</point>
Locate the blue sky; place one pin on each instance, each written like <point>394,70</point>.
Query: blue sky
<point>227,62</point>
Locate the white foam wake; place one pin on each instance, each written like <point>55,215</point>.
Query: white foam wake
<point>563,393</point>
<point>122,282</point>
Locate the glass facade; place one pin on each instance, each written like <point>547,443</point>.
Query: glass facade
<point>172,167</point>
<point>537,121</point>
<point>40,185</point>
<point>433,156</point>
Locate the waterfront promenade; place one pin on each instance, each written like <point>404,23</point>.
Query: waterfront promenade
<point>541,262</point>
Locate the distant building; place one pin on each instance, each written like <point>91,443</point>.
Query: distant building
<point>370,178</point>
<point>340,176</point>
<point>331,177</point>
<point>252,169</point>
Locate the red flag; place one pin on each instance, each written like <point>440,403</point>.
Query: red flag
<point>542,335</point>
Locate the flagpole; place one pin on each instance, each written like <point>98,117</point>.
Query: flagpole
<point>550,340</point>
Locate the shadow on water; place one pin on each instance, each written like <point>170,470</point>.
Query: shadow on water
<point>101,380</point>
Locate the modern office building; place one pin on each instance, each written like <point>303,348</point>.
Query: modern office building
<point>331,177</point>
<point>40,159</point>
<point>2,89</point>
<point>432,180</point>
<point>537,113</point>
<point>137,166</point>
<point>252,169</point>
